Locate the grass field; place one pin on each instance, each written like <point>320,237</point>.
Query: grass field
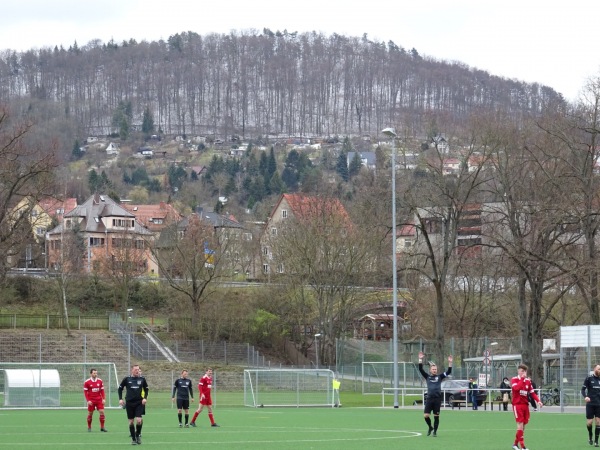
<point>348,428</point>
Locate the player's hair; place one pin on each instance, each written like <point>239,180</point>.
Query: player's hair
<point>183,370</point>
<point>524,367</point>
<point>91,370</point>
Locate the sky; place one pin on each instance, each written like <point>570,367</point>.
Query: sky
<point>551,43</point>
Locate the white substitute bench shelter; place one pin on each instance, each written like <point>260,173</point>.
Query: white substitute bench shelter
<point>30,387</point>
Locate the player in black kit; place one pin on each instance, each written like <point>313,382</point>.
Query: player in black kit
<point>135,401</point>
<point>591,392</point>
<point>184,389</point>
<point>434,392</point>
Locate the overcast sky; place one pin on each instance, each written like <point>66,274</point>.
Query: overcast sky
<point>552,43</point>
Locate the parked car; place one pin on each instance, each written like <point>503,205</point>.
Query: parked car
<point>457,390</point>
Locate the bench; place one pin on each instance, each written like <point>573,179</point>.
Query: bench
<point>500,404</point>
<point>459,403</point>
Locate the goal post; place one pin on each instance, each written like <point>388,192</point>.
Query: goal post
<point>288,387</point>
<point>53,385</point>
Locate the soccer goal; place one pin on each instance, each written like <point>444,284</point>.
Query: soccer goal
<point>288,387</point>
<point>53,385</point>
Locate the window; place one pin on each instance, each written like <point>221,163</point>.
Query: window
<point>280,268</point>
<point>284,213</point>
<point>247,236</point>
<point>265,268</point>
<point>34,213</point>
<point>60,211</point>
<point>273,231</point>
<point>40,231</point>
<point>122,223</point>
<point>407,243</point>
<point>140,244</point>
<point>265,251</point>
<point>96,242</point>
<point>157,221</point>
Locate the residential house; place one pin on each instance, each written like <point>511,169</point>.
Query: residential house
<point>290,206</point>
<point>40,216</point>
<point>368,159</point>
<point>108,232</point>
<point>112,149</point>
<point>154,217</point>
<point>228,231</point>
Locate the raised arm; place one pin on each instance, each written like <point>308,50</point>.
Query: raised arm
<point>423,373</point>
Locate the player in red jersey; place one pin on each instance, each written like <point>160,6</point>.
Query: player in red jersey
<point>205,386</point>
<point>521,389</point>
<point>93,389</point>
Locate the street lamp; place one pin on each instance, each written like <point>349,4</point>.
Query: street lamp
<point>390,132</point>
<point>317,336</point>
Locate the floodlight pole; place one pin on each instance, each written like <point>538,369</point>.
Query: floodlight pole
<point>317,336</point>
<point>390,132</point>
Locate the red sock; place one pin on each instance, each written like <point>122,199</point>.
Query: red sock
<point>212,419</point>
<point>520,438</point>
<point>194,418</point>
<point>89,421</point>
<point>102,421</point>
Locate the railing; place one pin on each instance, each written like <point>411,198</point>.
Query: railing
<point>53,321</point>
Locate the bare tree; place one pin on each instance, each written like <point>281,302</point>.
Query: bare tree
<point>525,224</point>
<point>436,201</point>
<point>126,261</point>
<point>191,257</point>
<point>319,248</point>
<point>26,171</point>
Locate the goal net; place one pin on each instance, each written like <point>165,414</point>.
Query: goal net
<point>53,385</point>
<point>288,387</point>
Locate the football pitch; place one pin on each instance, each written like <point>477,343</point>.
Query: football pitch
<point>292,428</point>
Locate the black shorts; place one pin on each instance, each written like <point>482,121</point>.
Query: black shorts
<point>592,411</point>
<point>134,410</point>
<point>433,404</point>
<point>183,403</point>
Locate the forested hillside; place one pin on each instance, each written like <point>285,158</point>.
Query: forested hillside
<point>260,83</point>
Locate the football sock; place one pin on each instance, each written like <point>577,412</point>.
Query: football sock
<point>195,416</point>
<point>187,417</point>
<point>212,419</point>
<point>597,433</point>
<point>179,417</point>
<point>428,421</point>
<point>89,421</point>
<point>132,431</point>
<point>138,429</point>
<point>520,438</point>
<point>589,427</point>
<point>436,422</point>
<point>102,419</point>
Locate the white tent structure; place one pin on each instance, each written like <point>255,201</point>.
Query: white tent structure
<point>31,387</point>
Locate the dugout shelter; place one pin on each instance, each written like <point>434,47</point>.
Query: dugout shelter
<point>30,387</point>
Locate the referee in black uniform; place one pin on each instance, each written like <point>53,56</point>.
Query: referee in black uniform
<point>591,392</point>
<point>184,389</point>
<point>434,392</point>
<point>135,401</point>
